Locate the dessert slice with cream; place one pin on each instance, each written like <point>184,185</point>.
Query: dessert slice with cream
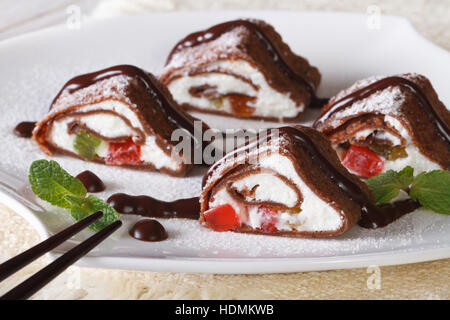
<point>384,123</point>
<point>121,116</point>
<point>288,182</point>
<point>241,68</point>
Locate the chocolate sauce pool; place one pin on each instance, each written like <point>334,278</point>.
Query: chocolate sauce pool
<point>148,230</point>
<point>150,207</point>
<point>25,129</point>
<point>388,213</point>
<point>91,181</point>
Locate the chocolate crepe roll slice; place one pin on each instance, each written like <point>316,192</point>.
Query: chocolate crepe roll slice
<point>292,184</point>
<point>118,116</point>
<point>240,68</point>
<point>384,123</point>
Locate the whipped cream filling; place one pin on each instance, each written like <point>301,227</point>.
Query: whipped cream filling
<point>152,153</point>
<point>398,126</point>
<point>107,125</point>
<point>117,107</point>
<point>111,126</point>
<point>415,158</point>
<point>269,102</point>
<point>315,214</point>
<point>378,134</point>
<point>266,187</point>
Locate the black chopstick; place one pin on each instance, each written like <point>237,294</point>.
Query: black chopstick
<point>44,276</point>
<point>18,262</point>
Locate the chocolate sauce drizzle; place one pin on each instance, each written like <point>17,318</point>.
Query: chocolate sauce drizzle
<point>197,38</point>
<point>441,125</point>
<point>148,230</point>
<point>25,129</point>
<point>371,215</point>
<point>390,212</point>
<point>171,111</point>
<point>91,181</point>
<point>150,207</point>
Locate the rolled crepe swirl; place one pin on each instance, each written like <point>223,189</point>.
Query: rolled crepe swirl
<point>292,184</point>
<point>240,68</point>
<point>118,116</point>
<point>399,118</point>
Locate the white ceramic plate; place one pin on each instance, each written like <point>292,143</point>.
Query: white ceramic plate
<point>35,66</point>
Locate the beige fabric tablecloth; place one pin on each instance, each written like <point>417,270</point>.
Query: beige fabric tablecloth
<point>430,280</point>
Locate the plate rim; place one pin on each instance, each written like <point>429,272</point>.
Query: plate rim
<point>233,265</point>
<point>60,27</point>
<point>229,265</point>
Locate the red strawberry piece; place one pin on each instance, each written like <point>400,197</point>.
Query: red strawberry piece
<point>123,153</point>
<point>363,162</point>
<point>222,218</point>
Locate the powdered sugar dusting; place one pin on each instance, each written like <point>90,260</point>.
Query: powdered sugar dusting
<point>240,155</point>
<point>28,96</point>
<point>113,88</point>
<point>218,49</point>
<point>188,239</point>
<point>388,101</point>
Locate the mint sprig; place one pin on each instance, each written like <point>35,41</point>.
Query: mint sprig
<point>431,189</point>
<point>91,205</point>
<point>53,184</point>
<point>86,145</point>
<point>386,186</point>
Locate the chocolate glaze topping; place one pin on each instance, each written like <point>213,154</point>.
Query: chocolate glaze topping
<point>371,215</point>
<point>441,125</point>
<point>148,230</point>
<point>91,181</point>
<point>216,31</point>
<point>24,129</point>
<point>150,207</point>
<point>175,116</point>
<point>353,191</point>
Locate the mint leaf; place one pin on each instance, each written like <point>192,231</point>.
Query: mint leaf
<point>86,145</point>
<point>91,205</point>
<point>385,187</point>
<point>405,177</point>
<point>53,184</point>
<point>74,201</point>
<point>432,190</point>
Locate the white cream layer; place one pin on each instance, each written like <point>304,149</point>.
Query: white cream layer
<point>315,215</point>
<point>111,126</point>
<point>152,153</point>
<point>378,134</point>
<point>269,103</point>
<point>415,158</point>
<point>267,187</point>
